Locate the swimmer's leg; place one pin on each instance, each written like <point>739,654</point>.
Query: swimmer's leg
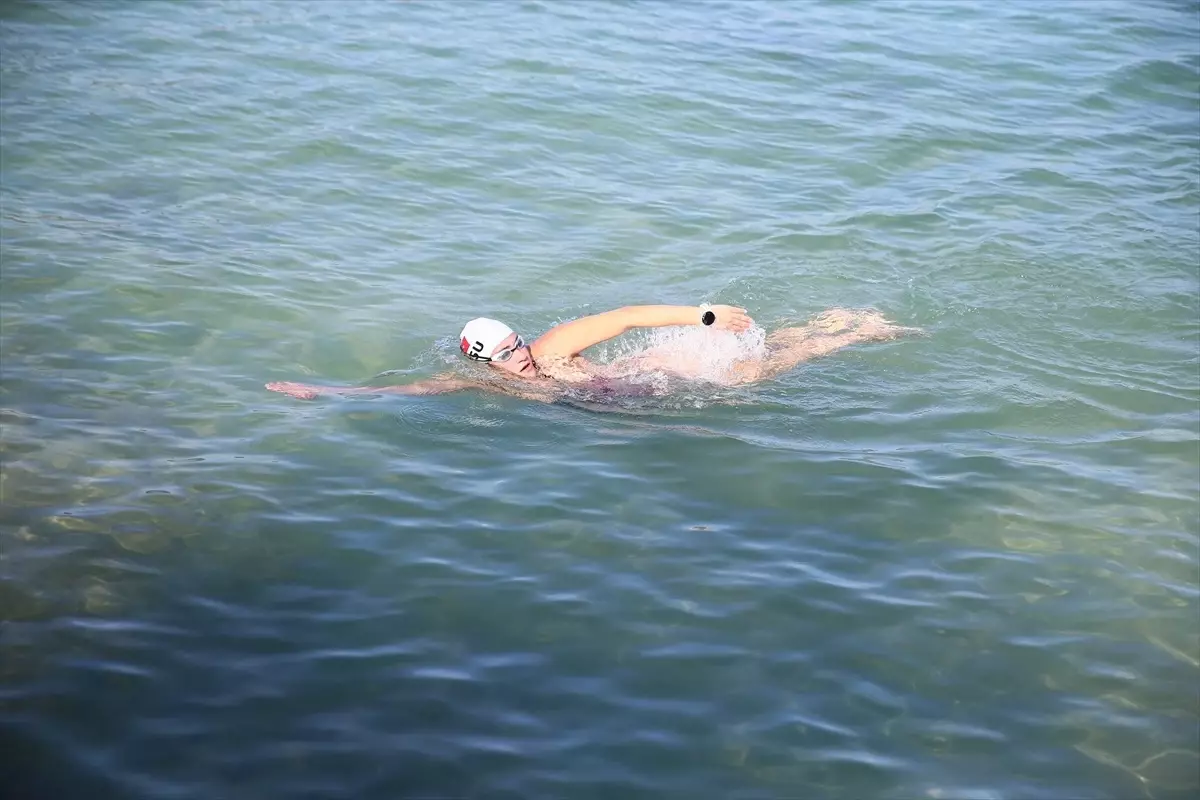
<point>828,331</point>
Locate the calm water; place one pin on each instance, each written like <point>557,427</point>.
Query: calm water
<point>961,565</point>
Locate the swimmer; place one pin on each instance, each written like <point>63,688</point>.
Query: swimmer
<point>543,369</point>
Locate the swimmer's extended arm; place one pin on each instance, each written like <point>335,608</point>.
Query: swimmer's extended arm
<point>439,385</point>
<point>304,391</point>
<point>573,337</point>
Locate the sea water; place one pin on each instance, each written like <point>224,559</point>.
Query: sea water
<point>956,565</point>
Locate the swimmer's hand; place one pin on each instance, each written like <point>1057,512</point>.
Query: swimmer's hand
<point>731,318</point>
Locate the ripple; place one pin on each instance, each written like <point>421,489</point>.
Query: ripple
<point>959,566</point>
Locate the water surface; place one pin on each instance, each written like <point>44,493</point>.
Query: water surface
<point>961,565</point>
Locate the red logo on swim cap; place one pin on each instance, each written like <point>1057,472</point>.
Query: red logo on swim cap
<point>465,345</point>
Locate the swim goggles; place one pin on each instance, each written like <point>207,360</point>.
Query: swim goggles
<point>505,354</point>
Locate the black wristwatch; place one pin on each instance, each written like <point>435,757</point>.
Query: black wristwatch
<point>706,314</point>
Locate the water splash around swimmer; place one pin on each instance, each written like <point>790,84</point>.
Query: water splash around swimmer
<point>699,353</point>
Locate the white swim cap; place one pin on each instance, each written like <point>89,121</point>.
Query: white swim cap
<point>481,336</point>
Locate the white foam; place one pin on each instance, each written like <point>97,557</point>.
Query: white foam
<point>698,353</point>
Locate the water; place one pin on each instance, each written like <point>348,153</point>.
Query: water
<point>961,565</point>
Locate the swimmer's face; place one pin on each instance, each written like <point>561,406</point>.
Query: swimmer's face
<point>520,360</point>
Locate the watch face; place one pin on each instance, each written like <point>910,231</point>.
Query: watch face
<point>709,318</point>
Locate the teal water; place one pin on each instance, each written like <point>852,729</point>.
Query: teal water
<point>959,565</point>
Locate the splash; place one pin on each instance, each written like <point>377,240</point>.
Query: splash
<point>699,354</point>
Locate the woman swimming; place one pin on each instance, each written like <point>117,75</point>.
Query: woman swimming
<point>550,365</point>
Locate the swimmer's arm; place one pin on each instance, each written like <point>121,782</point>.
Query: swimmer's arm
<point>438,385</point>
<point>571,338</point>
